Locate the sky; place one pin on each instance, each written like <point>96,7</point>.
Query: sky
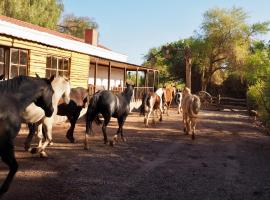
<point>132,27</point>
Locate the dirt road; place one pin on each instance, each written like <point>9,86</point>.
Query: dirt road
<point>230,159</point>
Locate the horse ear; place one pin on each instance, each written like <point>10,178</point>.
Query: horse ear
<point>37,75</point>
<point>51,78</point>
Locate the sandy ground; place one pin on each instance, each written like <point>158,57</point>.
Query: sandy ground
<point>228,160</point>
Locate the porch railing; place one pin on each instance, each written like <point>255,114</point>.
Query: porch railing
<point>137,95</point>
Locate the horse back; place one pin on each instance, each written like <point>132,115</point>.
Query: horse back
<point>191,105</point>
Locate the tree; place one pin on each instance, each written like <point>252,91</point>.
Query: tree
<point>76,25</point>
<point>45,13</point>
<point>224,41</point>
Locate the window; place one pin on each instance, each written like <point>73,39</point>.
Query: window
<point>18,62</point>
<point>57,66</point>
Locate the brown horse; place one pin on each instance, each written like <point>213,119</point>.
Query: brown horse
<point>150,104</point>
<point>169,93</point>
<point>190,106</point>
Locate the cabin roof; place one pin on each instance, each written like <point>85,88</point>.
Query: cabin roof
<point>31,32</point>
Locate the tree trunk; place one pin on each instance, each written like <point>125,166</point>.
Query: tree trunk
<point>188,66</point>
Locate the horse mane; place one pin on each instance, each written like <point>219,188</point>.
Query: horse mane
<point>127,93</point>
<point>12,85</point>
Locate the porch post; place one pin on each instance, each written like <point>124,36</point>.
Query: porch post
<point>154,78</point>
<point>109,75</point>
<point>95,76</point>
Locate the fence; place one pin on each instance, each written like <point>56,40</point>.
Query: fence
<point>228,102</point>
<point>137,94</point>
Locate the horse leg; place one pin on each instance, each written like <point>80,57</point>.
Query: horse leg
<point>40,138</point>
<point>107,119</point>
<point>8,157</point>
<point>70,132</point>
<point>185,123</point>
<point>193,126</point>
<point>154,110</point>
<point>47,125</point>
<point>121,122</point>
<point>28,140</point>
<point>147,116</point>
<point>160,112</point>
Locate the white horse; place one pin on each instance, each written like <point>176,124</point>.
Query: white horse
<point>160,93</point>
<point>34,114</point>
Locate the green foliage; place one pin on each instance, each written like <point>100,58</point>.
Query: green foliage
<point>44,13</point>
<point>259,99</point>
<point>76,25</point>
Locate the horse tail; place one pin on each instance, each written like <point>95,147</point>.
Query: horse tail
<point>195,106</point>
<point>144,103</point>
<point>91,114</point>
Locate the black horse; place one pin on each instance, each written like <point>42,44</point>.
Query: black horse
<point>109,105</point>
<point>78,100</point>
<point>15,95</point>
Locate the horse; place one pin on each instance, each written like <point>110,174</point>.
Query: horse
<point>178,100</point>
<point>150,104</point>
<point>15,95</point>
<point>78,101</point>
<point>160,93</point>
<point>35,117</point>
<point>190,106</point>
<point>109,105</point>
<point>168,97</point>
<point>205,98</point>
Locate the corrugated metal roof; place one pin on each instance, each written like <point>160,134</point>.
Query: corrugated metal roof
<point>28,31</point>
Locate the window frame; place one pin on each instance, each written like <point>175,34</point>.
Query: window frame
<point>57,69</point>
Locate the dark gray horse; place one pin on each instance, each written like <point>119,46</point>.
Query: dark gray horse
<point>109,105</point>
<point>15,95</point>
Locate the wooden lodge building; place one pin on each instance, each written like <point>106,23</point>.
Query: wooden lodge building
<point>27,49</point>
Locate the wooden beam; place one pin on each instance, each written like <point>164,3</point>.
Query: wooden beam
<point>109,75</point>
<point>95,76</point>
<point>154,78</point>
<point>125,76</point>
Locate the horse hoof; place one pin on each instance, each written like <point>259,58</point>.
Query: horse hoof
<point>111,143</point>
<point>193,137</point>
<point>50,144</point>
<point>43,154</point>
<point>86,148</point>
<point>124,139</point>
<point>34,150</point>
<point>70,139</point>
<point>27,148</point>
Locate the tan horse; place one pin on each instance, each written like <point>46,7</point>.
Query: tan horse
<point>169,93</point>
<point>190,106</point>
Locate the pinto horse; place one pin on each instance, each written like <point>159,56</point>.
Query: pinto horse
<point>190,106</point>
<point>78,101</point>
<point>178,100</point>
<point>150,104</point>
<point>35,116</point>
<point>109,105</point>
<point>15,95</point>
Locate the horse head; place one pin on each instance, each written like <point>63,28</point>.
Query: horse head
<point>45,97</point>
<point>61,87</point>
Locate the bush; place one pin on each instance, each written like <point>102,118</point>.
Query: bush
<point>258,98</point>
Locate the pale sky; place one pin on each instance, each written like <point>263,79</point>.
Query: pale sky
<point>132,27</point>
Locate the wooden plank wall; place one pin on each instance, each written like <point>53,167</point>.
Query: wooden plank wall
<point>79,63</point>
